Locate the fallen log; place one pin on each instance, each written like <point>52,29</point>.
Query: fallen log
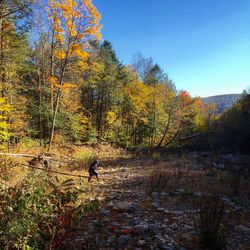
<point>54,172</point>
<point>17,155</point>
<point>188,137</point>
<point>27,155</point>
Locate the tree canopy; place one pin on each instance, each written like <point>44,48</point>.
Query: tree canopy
<point>70,86</point>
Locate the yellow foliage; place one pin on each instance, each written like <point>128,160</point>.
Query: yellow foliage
<point>60,54</point>
<point>84,121</point>
<point>53,80</point>
<point>75,24</point>
<point>98,36</point>
<point>83,65</point>
<point>140,96</point>
<point>73,32</point>
<point>69,24</point>
<point>139,93</point>
<point>76,46</point>
<point>5,109</point>
<point>111,117</point>
<point>4,106</point>
<point>57,21</point>
<point>83,55</point>
<point>97,67</point>
<point>59,38</point>
<point>67,86</point>
<point>58,29</point>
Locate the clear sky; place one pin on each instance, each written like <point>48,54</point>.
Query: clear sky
<point>203,45</point>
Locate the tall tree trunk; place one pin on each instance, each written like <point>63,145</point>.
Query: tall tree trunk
<point>173,138</point>
<point>40,105</point>
<point>2,58</point>
<point>54,119</point>
<point>57,104</point>
<point>52,71</point>
<point>153,122</point>
<point>165,132</point>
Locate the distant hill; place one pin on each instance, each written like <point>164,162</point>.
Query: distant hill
<point>223,102</point>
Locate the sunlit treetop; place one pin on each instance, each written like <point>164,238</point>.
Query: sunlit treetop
<point>75,23</point>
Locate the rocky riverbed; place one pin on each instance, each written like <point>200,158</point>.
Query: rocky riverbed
<point>132,217</point>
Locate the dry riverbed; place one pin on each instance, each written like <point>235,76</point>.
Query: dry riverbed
<point>150,204</point>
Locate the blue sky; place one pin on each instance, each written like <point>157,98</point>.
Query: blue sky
<point>203,45</point>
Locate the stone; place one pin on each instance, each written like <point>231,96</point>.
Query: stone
<point>173,212</point>
<point>111,239</point>
<point>141,243</point>
<point>238,209</point>
<point>160,209</point>
<point>174,226</point>
<point>80,238</point>
<point>156,205</point>
<point>124,240</point>
<point>174,193</point>
<point>161,243</point>
<point>164,194</point>
<point>176,213</point>
<point>133,221</point>
<point>125,215</point>
<point>198,194</point>
<point>231,204</point>
<point>244,229</point>
<point>104,212</point>
<point>110,204</point>
<point>153,228</point>
<point>170,246</point>
<point>151,221</point>
<point>155,194</point>
<point>141,229</point>
<point>190,211</point>
<point>124,206</point>
<point>164,226</point>
<point>168,239</point>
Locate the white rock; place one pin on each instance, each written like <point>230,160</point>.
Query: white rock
<point>244,229</point>
<point>141,243</point>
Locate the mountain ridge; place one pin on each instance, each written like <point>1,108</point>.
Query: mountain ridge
<point>224,101</point>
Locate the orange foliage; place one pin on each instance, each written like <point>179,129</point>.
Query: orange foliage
<point>75,23</point>
<point>199,103</point>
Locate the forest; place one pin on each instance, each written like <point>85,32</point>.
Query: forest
<point>174,170</point>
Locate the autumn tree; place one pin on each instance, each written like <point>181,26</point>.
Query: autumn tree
<point>72,86</point>
<point>38,91</point>
<point>10,37</point>
<point>102,89</point>
<point>5,109</point>
<point>180,112</point>
<point>74,25</point>
<point>14,47</point>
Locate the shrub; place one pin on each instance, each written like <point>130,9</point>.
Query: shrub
<point>84,158</point>
<point>164,180</point>
<point>28,143</point>
<point>27,213</point>
<point>209,225</point>
<point>92,135</point>
<point>232,182</point>
<point>36,214</point>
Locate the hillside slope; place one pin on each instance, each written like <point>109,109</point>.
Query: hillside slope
<point>223,102</point>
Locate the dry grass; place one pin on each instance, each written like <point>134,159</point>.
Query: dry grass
<point>155,176</point>
<point>165,180</point>
<point>12,174</point>
<point>209,224</point>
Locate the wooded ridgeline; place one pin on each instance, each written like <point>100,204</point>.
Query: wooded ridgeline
<point>61,83</point>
